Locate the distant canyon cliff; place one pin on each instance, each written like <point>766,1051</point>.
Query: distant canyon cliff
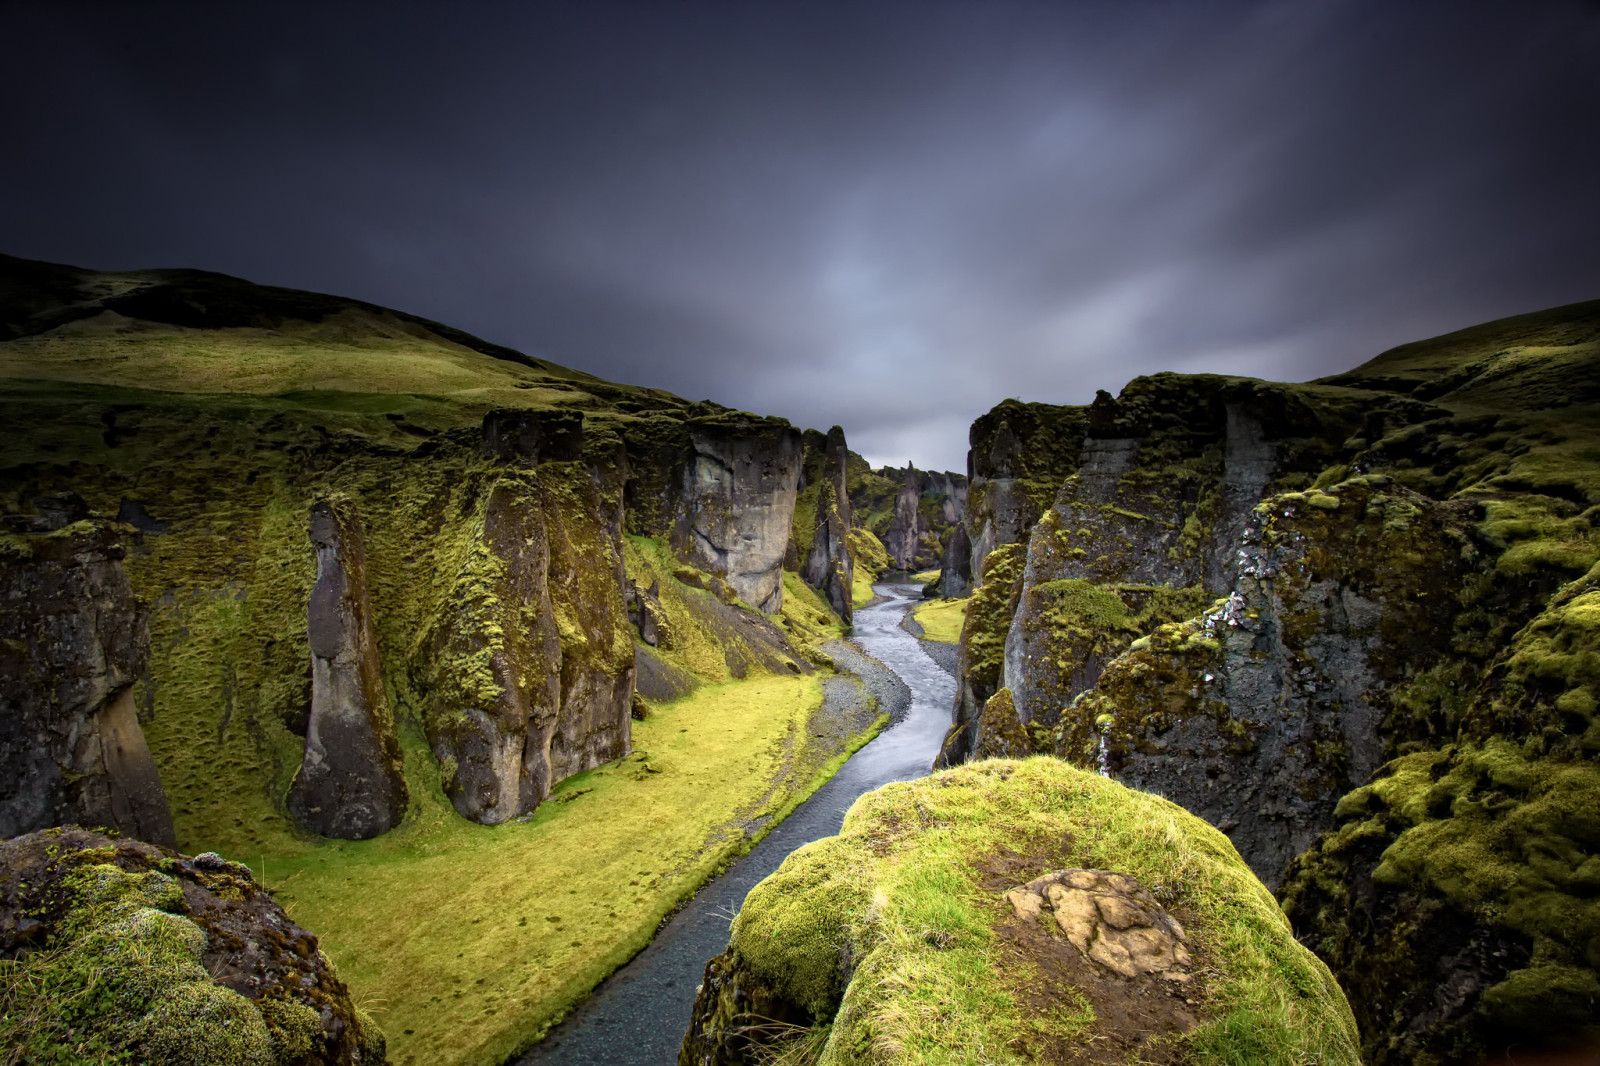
<point>249,529</point>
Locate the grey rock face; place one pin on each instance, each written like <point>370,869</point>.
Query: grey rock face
<point>955,576</point>
<point>529,668</point>
<point>72,643</point>
<point>737,504</point>
<point>1262,712</point>
<point>829,567</point>
<point>350,784</point>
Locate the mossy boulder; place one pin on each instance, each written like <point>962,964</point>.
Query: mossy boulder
<point>896,942</point>
<point>114,951</point>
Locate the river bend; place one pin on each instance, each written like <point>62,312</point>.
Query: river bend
<point>637,1017</point>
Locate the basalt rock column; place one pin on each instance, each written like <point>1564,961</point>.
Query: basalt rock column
<point>350,783</point>
<point>72,643</point>
<point>738,501</point>
<point>829,567</point>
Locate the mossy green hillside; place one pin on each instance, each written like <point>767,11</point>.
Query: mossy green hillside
<point>1475,859</point>
<point>942,619</point>
<point>909,894</point>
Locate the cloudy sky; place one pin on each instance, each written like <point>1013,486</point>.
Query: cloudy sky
<point>884,215</point>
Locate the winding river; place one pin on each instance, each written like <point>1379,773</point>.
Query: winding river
<point>637,1016</point>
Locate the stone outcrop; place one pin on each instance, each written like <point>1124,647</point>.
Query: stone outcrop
<point>1267,708</point>
<point>350,783</point>
<point>927,507</point>
<point>722,487</point>
<point>828,565</point>
<point>1144,528</point>
<point>1018,455</point>
<point>162,957</point>
<point>1111,919</point>
<point>955,570</point>
<point>73,641</point>
<point>841,954</point>
<point>528,667</point>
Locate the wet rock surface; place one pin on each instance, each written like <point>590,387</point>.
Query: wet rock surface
<point>73,641</point>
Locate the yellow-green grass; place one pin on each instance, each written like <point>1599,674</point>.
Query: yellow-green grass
<point>350,352</point>
<point>870,560</point>
<point>903,892</point>
<point>925,576</point>
<point>941,620</point>
<point>467,941</point>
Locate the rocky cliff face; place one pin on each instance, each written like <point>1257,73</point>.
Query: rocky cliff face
<point>927,506</point>
<point>72,643</point>
<point>825,561</point>
<point>913,512</point>
<point>722,486</point>
<point>1341,621</point>
<point>147,955</point>
<point>350,782</point>
<point>466,575</point>
<point>529,667</point>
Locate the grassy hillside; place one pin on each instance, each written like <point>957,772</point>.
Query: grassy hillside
<point>210,413</point>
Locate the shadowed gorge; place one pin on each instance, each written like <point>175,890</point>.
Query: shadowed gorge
<point>1271,725</point>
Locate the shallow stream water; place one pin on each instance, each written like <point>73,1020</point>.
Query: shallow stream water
<point>637,1016</point>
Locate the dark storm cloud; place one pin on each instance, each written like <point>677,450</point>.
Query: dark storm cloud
<point>888,216</point>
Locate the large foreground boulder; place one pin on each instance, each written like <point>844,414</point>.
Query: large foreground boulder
<point>1017,911</point>
<point>113,950</point>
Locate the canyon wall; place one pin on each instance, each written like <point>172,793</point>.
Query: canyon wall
<point>321,554</point>
<point>1344,622</point>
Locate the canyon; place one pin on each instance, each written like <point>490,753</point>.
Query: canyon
<point>418,625</point>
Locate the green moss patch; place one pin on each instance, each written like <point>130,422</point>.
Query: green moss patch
<point>889,932</point>
<point>941,620</point>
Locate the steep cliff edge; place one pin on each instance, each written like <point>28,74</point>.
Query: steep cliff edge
<point>471,572</point>
<point>1016,912</point>
<point>72,643</point>
<point>1337,620</point>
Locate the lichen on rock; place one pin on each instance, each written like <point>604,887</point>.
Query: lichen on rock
<point>111,950</point>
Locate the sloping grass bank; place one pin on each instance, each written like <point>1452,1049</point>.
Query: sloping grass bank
<point>467,942</point>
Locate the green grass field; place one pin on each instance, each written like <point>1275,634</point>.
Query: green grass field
<point>467,941</point>
<point>941,620</point>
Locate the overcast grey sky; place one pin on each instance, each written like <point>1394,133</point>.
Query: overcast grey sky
<point>884,215</point>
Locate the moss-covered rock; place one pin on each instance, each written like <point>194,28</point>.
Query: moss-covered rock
<point>895,941</point>
<point>114,951</point>
<point>1459,900</point>
<point>980,656</point>
<point>1263,711</point>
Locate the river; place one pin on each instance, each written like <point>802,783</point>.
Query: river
<point>637,1016</point>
